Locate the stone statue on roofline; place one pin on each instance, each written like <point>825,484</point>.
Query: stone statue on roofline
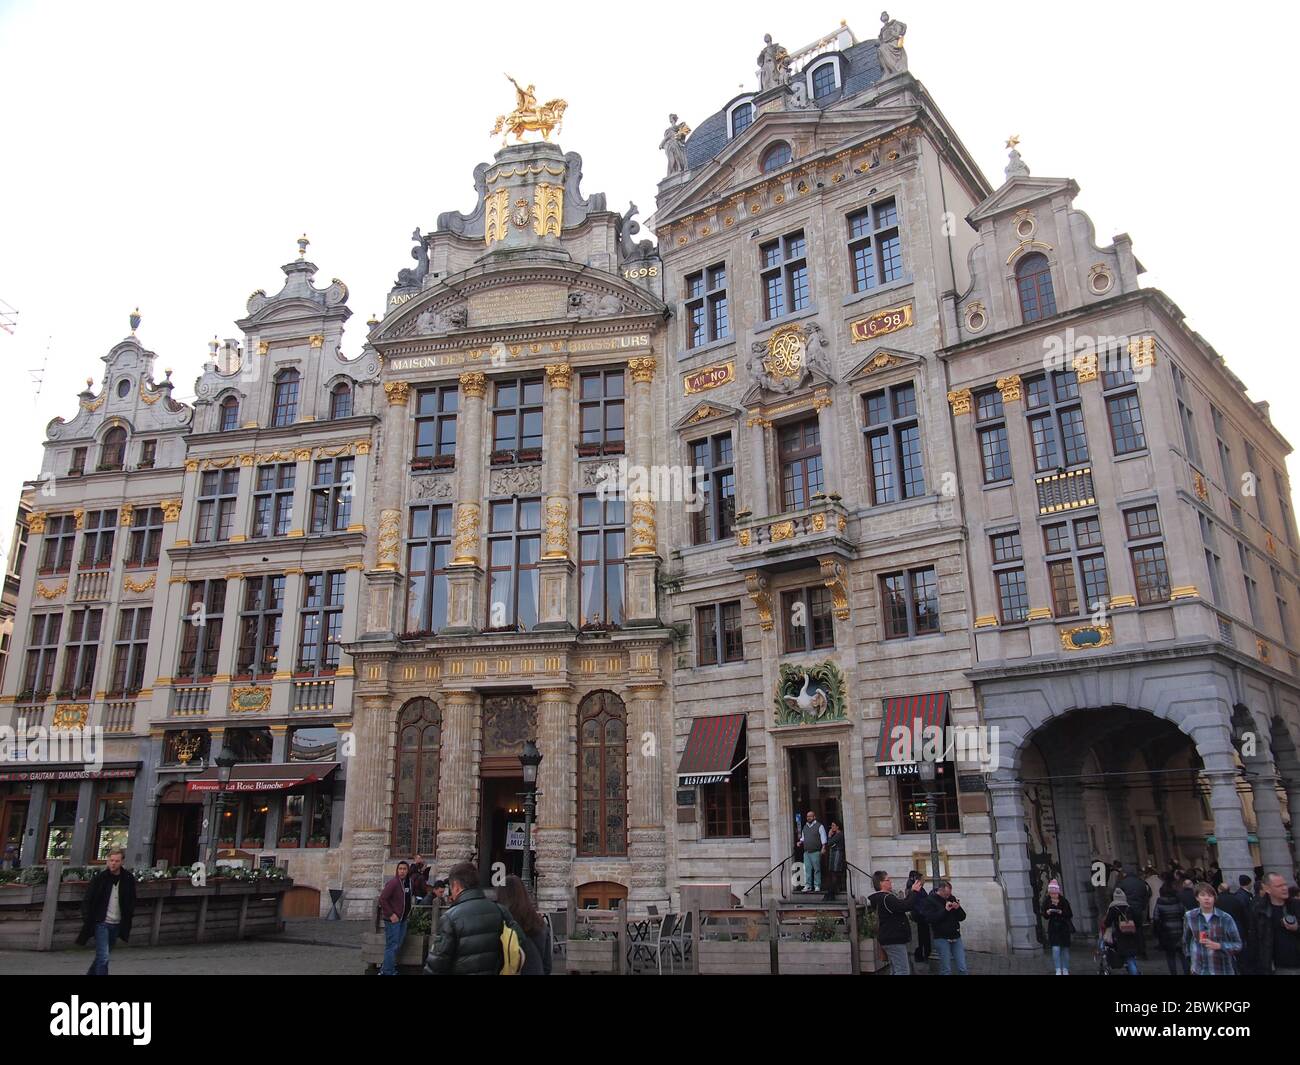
<point>674,144</point>
<point>893,59</point>
<point>773,65</point>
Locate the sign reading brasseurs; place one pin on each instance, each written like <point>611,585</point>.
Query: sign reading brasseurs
<point>877,324</point>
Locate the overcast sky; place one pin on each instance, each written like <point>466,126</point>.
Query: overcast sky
<point>168,155</point>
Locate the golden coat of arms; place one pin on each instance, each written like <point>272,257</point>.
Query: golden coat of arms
<point>786,350</point>
<point>529,115</point>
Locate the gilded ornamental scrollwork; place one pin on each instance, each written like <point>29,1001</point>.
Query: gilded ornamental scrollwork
<point>388,542</point>
<point>757,590</point>
<point>397,392</point>
<point>465,534</point>
<point>557,528</point>
<point>473,385</point>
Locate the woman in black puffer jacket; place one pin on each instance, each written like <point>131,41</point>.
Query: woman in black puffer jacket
<point>1168,920</point>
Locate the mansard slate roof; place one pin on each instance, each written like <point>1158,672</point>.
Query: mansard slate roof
<point>862,72</point>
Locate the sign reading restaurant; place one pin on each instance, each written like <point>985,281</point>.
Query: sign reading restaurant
<point>879,323</point>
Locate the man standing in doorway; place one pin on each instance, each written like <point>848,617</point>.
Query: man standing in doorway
<point>107,910</point>
<point>814,839</point>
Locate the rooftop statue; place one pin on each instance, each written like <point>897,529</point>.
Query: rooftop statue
<point>893,59</point>
<point>674,143</point>
<point>773,65</point>
<point>529,115</point>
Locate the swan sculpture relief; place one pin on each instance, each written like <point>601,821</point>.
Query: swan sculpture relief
<point>810,702</point>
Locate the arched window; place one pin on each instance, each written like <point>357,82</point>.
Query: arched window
<point>284,410</point>
<point>776,157</point>
<point>742,117</point>
<point>602,776</point>
<point>113,454</point>
<point>1034,280</point>
<point>415,789</point>
<point>229,414</point>
<point>341,401</point>
<point>823,80</point>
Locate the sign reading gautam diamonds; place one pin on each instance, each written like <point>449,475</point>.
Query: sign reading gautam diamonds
<point>709,377</point>
<point>875,325</point>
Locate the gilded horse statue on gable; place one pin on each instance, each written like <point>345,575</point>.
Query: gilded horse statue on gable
<point>528,114</point>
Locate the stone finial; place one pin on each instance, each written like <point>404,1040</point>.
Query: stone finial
<point>1015,165</point>
<point>135,320</point>
<point>302,246</point>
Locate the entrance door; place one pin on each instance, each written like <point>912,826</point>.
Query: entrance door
<point>177,838</point>
<point>13,819</point>
<point>500,828</point>
<point>814,785</point>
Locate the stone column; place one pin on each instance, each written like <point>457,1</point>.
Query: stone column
<point>557,562</point>
<point>366,814</point>
<point>465,577</point>
<point>647,839</point>
<point>556,814</point>
<point>458,784</point>
<point>641,607</point>
<point>1274,851</point>
<point>173,508</point>
<point>385,547</point>
<point>1013,861</point>
<point>1229,823</point>
<point>753,487</point>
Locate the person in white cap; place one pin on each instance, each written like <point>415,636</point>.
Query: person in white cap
<point>1060,926</point>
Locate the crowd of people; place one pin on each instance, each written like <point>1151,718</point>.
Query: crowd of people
<point>937,915</point>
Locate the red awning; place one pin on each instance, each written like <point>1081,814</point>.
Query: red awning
<point>713,750</point>
<point>266,776</point>
<point>915,713</point>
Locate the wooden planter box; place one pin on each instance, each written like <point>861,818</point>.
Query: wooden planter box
<point>796,957</point>
<point>410,955</point>
<point>592,956</point>
<point>17,894</point>
<point>868,962</point>
<point>736,956</point>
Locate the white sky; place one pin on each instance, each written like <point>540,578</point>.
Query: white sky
<point>167,155</point>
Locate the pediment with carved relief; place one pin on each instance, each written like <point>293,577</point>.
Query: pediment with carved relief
<point>882,361</point>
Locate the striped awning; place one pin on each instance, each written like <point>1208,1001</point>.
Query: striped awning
<point>713,750</point>
<point>914,713</point>
<point>263,776</point>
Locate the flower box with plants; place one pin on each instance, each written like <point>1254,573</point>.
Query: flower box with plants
<point>502,458</point>
<point>530,454</point>
<point>287,842</point>
<point>589,953</point>
<point>318,841</point>
<point>444,462</point>
<point>824,948</point>
<point>587,450</point>
<point>422,463</point>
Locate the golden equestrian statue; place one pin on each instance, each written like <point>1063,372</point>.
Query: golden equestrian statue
<point>529,115</point>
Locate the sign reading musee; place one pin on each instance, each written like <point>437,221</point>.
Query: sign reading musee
<point>878,324</point>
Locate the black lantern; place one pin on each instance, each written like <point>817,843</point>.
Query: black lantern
<point>530,760</point>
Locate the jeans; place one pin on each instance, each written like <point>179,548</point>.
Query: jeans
<point>898,961</point>
<point>1177,962</point>
<point>105,941</point>
<point>812,871</point>
<point>950,951</point>
<point>1131,965</point>
<point>1061,958</point>
<point>394,934</point>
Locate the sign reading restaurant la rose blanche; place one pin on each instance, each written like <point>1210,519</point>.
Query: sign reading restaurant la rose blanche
<point>878,323</point>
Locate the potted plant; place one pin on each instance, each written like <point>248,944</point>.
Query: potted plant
<point>423,462</point>
<point>586,953</point>
<point>503,457</point>
<point>587,450</point>
<point>444,462</point>
<point>614,447</point>
<point>286,842</point>
<point>530,454</point>
<point>318,839</point>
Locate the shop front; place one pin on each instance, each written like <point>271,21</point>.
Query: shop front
<point>66,811</point>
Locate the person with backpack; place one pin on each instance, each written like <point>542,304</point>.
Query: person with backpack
<point>1060,927</point>
<point>893,932</point>
<point>515,898</point>
<point>476,936</point>
<point>1119,930</point>
<point>1211,940</point>
<point>1168,919</point>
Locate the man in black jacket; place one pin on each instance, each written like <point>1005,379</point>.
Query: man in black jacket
<point>469,934</point>
<point>893,930</point>
<point>1138,893</point>
<point>1273,947</point>
<point>945,916</point>
<point>107,910</point>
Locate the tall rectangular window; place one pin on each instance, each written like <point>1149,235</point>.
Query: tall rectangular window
<point>807,621</point>
<point>707,316</point>
<point>217,492</point>
<point>320,626</point>
<point>97,539</point>
<point>718,634</point>
<point>1056,421</point>
<point>201,626</point>
<point>875,249</point>
<point>1248,579</point>
<point>78,464</point>
<point>1009,572</point>
<point>435,421</point>
<point>428,553</point>
<point>991,425</point>
<point>129,649</point>
<point>1257,481</point>
<point>145,542</point>
<point>517,415</point>
<point>1147,551</point>
<point>713,463</point>
<point>42,649</point>
<point>1186,417</point>
<point>894,444</point>
<point>514,548</point>
<point>785,275</point>
<point>1213,561</point>
<point>726,804</point>
<point>1076,566</point>
<point>284,398</point>
<point>1225,452</point>
<point>909,603</point>
<point>601,545</point>
<point>81,653</point>
<point>1122,408</point>
<point>56,544</point>
<point>600,407</point>
<point>273,499</point>
<point>259,626</point>
<point>799,452</point>
<point>333,485</point>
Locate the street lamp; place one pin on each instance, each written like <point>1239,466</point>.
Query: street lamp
<point>530,760</point>
<point>928,770</point>
<point>226,761</point>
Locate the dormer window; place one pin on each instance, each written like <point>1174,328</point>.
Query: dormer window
<point>823,81</point>
<point>229,414</point>
<point>284,408</point>
<point>341,401</point>
<point>777,156</point>
<point>1034,282</point>
<point>78,466</point>
<point>123,388</point>
<point>113,455</point>
<point>742,117</point>
<point>148,454</point>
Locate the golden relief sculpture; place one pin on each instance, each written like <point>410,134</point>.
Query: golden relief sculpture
<point>1010,388</point>
<point>557,527</point>
<point>80,517</point>
<point>36,522</point>
<point>397,392</point>
<point>389,540</point>
<point>139,586</point>
<point>496,218</point>
<point>529,115</point>
<point>1085,368</point>
<point>756,589</point>
<point>786,350</point>
<point>473,385</point>
<point>560,375</point>
<point>51,593</point>
<point>643,527</point>
<point>548,210</point>
<point>836,578</point>
<point>71,717</point>
<point>171,509</point>
<point>465,534</point>
<point>126,514</point>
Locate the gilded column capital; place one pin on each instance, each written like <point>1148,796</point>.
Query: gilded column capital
<point>36,522</point>
<point>1010,387</point>
<point>1085,367</point>
<point>397,392</point>
<point>643,369</point>
<point>960,400</point>
<point>473,385</point>
<point>1142,352</point>
<point>171,509</point>
<point>126,514</point>
<point>560,375</point>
